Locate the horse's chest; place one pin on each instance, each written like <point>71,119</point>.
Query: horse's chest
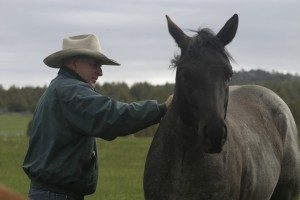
<point>202,176</point>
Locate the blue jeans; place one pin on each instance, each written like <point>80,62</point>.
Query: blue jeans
<point>35,194</point>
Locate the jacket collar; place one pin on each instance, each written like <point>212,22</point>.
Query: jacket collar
<point>70,73</point>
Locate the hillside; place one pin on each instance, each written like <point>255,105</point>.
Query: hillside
<point>285,85</point>
<point>261,76</point>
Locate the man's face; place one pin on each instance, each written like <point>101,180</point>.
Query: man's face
<point>88,68</point>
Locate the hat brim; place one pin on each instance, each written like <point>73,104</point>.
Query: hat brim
<point>56,59</point>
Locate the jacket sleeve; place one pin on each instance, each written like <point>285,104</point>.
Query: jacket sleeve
<point>99,116</point>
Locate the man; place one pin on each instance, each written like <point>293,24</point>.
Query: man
<point>61,160</point>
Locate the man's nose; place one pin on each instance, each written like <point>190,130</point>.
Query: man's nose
<point>99,71</point>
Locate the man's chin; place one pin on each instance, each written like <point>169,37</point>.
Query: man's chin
<point>93,83</point>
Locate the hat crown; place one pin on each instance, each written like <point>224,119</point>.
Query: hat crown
<point>79,45</point>
<point>88,41</point>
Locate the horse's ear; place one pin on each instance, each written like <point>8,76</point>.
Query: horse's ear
<point>227,33</point>
<point>180,37</point>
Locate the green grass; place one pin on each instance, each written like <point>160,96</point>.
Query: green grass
<point>121,167</point>
<point>14,123</point>
<point>12,152</point>
<point>121,161</point>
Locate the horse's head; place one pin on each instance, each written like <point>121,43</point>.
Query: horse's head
<point>202,77</point>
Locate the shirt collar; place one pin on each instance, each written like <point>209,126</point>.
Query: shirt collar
<point>70,73</point>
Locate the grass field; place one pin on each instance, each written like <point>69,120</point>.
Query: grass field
<point>121,162</point>
<point>14,123</point>
<point>121,170</point>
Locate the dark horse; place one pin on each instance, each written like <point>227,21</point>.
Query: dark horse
<point>219,142</point>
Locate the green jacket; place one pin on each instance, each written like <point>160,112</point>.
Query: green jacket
<point>62,154</point>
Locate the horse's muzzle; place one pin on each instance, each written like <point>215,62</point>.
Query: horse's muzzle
<point>215,136</point>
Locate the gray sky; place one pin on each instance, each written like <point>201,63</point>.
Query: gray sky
<point>134,32</point>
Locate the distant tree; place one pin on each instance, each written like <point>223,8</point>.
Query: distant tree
<point>15,100</point>
<point>287,86</point>
<point>2,99</point>
<point>161,92</point>
<point>117,91</point>
<point>32,96</point>
<point>141,91</point>
<point>258,76</point>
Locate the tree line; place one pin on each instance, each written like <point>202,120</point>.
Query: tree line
<point>287,86</point>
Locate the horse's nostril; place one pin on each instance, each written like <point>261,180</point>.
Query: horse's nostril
<point>221,129</point>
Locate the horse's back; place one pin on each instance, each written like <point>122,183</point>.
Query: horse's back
<point>254,98</point>
<point>268,119</point>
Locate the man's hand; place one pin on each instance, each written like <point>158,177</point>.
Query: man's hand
<point>168,102</point>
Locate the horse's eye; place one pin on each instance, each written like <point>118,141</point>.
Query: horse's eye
<point>227,81</point>
<point>227,77</point>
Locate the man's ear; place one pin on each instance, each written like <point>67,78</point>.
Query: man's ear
<point>74,63</point>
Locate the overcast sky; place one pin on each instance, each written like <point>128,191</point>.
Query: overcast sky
<point>134,32</point>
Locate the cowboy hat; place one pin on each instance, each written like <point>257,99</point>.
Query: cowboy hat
<point>86,45</point>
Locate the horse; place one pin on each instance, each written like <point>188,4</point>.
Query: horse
<point>220,142</point>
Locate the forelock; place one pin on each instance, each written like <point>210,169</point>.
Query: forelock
<point>204,38</point>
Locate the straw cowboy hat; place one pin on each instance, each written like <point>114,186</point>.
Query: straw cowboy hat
<point>87,45</point>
